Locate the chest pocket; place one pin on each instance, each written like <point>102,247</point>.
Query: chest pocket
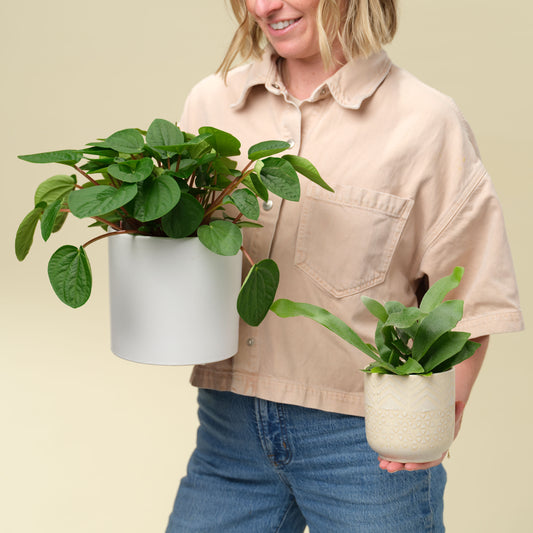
<point>346,240</point>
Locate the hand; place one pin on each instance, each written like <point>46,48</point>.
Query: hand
<point>392,466</point>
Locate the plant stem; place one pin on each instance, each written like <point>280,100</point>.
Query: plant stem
<point>228,190</point>
<point>247,255</point>
<point>111,224</point>
<point>102,220</point>
<point>84,174</point>
<point>105,235</point>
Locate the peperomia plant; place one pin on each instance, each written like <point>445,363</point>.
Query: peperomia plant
<point>167,183</point>
<point>409,340</point>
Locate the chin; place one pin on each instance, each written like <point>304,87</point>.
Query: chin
<point>289,52</point>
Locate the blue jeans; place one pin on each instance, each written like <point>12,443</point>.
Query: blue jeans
<point>261,466</point>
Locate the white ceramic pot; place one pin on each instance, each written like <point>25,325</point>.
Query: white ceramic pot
<point>410,419</point>
<point>173,301</point>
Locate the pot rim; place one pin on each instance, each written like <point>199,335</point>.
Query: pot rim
<point>139,236</point>
<point>395,376</point>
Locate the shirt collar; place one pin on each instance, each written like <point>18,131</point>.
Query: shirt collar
<point>349,86</point>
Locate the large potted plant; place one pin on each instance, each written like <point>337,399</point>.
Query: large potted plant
<point>173,205</point>
<point>410,385</point>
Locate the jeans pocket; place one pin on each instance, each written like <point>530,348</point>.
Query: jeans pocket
<point>346,240</point>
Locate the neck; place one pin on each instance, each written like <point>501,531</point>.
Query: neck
<point>303,76</point>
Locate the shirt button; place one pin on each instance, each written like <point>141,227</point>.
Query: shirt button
<point>323,91</point>
<point>291,143</point>
<point>267,206</point>
<point>250,341</point>
<point>276,86</point>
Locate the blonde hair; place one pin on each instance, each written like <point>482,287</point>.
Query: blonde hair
<point>363,28</point>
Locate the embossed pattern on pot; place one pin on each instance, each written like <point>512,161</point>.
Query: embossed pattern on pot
<point>410,418</point>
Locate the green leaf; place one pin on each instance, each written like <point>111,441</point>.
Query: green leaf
<point>248,224</point>
<point>258,292</point>
<point>410,367</point>
<point>208,158</point>
<point>55,187</point>
<point>405,318</point>
<point>254,183</point>
<point>157,196</point>
<point>163,133</point>
<point>221,237</point>
<point>280,178</point>
<point>224,174</point>
<point>442,319</point>
<point>384,351</point>
<point>287,308</point>
<point>185,164</point>
<point>224,143</point>
<point>399,345</point>
<point>375,308</point>
<point>98,166</point>
<point>468,351</point>
<point>198,145</point>
<point>394,307</point>
<point>65,157</point>
<point>60,219</point>
<point>246,203</point>
<point>266,148</point>
<point>389,350</point>
<point>133,171</point>
<point>69,272</point>
<point>98,149</point>
<point>128,141</point>
<point>307,169</point>
<point>99,199</point>
<point>259,186</point>
<point>184,218</point>
<point>48,220</point>
<point>440,289</point>
<point>26,231</point>
<point>444,348</point>
<point>258,167</point>
<point>376,368</point>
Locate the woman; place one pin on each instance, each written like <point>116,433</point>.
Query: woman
<point>281,442</point>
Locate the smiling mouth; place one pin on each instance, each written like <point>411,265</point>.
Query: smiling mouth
<point>283,24</point>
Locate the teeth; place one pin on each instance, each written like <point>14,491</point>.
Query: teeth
<point>282,25</point>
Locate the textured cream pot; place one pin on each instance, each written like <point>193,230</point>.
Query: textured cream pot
<point>410,418</point>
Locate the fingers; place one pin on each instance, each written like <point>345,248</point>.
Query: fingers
<point>392,466</point>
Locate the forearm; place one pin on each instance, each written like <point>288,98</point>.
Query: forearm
<point>467,371</point>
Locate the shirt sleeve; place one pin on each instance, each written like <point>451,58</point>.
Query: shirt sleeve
<point>474,237</point>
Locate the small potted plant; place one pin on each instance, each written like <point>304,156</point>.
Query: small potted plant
<point>174,205</point>
<point>410,385</point>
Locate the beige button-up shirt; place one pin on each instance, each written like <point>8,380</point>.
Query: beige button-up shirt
<point>412,200</point>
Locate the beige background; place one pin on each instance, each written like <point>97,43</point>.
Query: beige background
<point>91,443</point>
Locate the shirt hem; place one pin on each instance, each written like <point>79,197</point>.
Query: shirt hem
<point>276,390</point>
